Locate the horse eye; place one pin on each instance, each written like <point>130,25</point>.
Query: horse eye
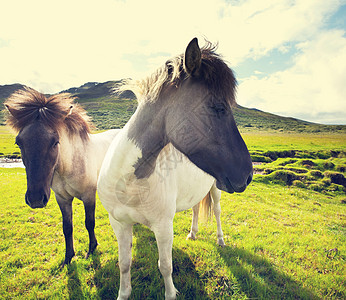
<point>219,109</point>
<point>56,144</point>
<point>17,143</point>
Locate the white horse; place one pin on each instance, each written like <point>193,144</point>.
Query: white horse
<point>59,152</point>
<point>181,139</point>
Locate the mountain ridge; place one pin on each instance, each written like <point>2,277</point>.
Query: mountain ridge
<point>110,109</point>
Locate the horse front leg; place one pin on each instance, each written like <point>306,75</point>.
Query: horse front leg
<point>123,232</point>
<point>89,206</point>
<point>194,225</point>
<point>67,225</point>
<point>216,196</point>
<point>164,239</point>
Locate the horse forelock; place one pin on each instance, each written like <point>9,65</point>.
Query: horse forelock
<point>214,74</point>
<point>57,111</point>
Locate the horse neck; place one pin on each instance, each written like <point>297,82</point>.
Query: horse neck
<point>146,130</point>
<point>73,151</point>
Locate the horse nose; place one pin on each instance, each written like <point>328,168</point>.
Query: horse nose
<point>36,200</point>
<point>249,179</point>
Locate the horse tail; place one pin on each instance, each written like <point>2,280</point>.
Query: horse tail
<point>205,207</point>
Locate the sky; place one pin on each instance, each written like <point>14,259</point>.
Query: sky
<point>289,56</point>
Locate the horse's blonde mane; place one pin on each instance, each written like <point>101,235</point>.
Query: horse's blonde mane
<point>57,111</point>
<point>215,74</point>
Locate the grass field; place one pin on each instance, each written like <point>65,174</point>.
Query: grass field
<point>7,146</point>
<point>266,141</point>
<point>283,242</point>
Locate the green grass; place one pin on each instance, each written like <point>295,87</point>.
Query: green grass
<point>108,113</point>
<point>265,141</point>
<point>7,145</point>
<point>282,243</point>
<point>311,161</point>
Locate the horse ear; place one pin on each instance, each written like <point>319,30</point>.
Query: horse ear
<point>11,110</point>
<point>70,111</point>
<point>192,58</point>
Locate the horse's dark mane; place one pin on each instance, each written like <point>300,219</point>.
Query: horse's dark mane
<point>57,111</point>
<point>214,73</point>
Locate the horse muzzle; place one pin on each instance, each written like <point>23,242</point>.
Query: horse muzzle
<point>37,199</point>
<point>226,185</point>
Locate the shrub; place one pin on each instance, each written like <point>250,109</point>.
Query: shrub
<point>307,162</point>
<point>260,158</point>
<point>316,173</point>
<point>297,170</point>
<point>336,178</point>
<point>323,154</point>
<point>305,154</point>
<point>268,171</point>
<point>341,168</point>
<point>326,181</point>
<point>328,165</point>
<point>318,187</point>
<point>272,154</point>
<point>342,154</point>
<point>335,188</point>
<point>287,153</point>
<point>334,153</point>
<point>287,162</point>
<point>283,177</point>
<point>299,184</point>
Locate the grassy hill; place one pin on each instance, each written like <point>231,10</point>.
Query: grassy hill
<point>7,89</point>
<point>111,110</point>
<point>255,120</point>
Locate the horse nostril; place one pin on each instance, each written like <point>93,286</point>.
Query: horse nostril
<point>27,200</point>
<point>36,200</point>
<point>45,200</point>
<point>249,179</point>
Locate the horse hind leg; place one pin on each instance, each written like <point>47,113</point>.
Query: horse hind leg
<point>216,196</point>
<point>123,232</point>
<point>194,225</point>
<point>89,207</point>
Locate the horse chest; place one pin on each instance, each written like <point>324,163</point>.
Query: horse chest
<point>67,186</point>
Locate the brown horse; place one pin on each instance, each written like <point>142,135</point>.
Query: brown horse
<point>58,152</point>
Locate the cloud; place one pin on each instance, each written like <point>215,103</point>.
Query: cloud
<point>313,88</point>
<point>55,45</point>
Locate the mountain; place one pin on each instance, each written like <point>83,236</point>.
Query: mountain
<point>7,90</point>
<point>81,89</point>
<point>110,109</point>
<point>93,90</point>
<point>251,119</point>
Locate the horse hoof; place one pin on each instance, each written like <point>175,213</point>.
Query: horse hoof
<point>91,250</point>
<point>68,258</point>
<point>221,243</point>
<point>66,263</point>
<point>191,236</point>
